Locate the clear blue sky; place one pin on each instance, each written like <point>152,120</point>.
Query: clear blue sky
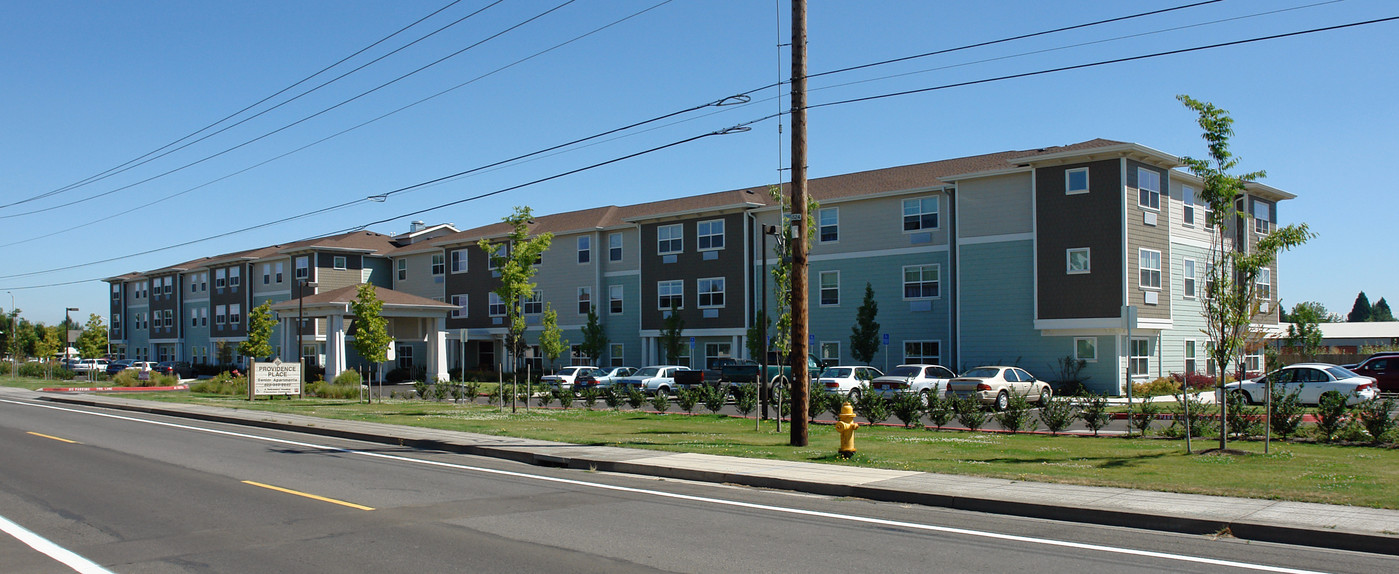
<point>90,85</point>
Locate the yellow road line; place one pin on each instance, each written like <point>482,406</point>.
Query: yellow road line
<point>307,495</point>
<point>54,438</point>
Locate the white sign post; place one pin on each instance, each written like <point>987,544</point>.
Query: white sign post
<point>274,378</point>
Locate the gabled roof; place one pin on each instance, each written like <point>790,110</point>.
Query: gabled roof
<point>396,303</point>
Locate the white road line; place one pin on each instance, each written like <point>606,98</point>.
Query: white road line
<point>59,553</point>
<point>716,501</point>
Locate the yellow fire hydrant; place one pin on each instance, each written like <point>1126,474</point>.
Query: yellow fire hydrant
<point>846,427</point>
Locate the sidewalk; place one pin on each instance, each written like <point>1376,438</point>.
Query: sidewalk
<point>1300,523</point>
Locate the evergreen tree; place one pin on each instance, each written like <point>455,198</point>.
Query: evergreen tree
<point>1360,311</point>
<point>551,341</point>
<point>1381,312</point>
<point>672,331</point>
<point>594,337</point>
<point>864,335</point>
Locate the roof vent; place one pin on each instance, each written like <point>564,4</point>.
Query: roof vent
<point>417,226</point>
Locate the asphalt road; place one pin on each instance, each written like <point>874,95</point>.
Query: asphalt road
<point>143,493</point>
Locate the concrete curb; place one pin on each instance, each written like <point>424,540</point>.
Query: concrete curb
<point>541,453</point>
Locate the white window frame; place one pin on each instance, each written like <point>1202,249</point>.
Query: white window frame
<point>534,304</point>
<point>706,230</point>
<point>616,354</point>
<point>919,206</point>
<point>1263,286</point>
<point>823,346</point>
<point>670,239</point>
<point>1139,365</point>
<point>459,261</point>
<point>937,281</point>
<point>401,266</point>
<point>585,299</point>
<point>704,290</point>
<point>234,277</point>
<point>116,292</point>
<point>495,305</point>
<point>266,273</point>
<point>614,247</point>
<point>1191,356</point>
<point>1092,355</point>
<point>1069,174</point>
<point>461,300</point>
<point>194,317</point>
<point>203,316</point>
<point>616,299</point>
<point>585,249</point>
<point>1262,225</point>
<point>1189,279</point>
<point>1148,278</point>
<point>822,289</point>
<point>220,315</point>
<point>673,290</point>
<point>922,357</point>
<point>303,270</point>
<point>235,314</point>
<point>439,264</point>
<point>1187,201</point>
<point>1148,197</point>
<point>277,272</point>
<point>340,262</point>
<point>220,278</point>
<point>1087,267</point>
<point>825,223</point>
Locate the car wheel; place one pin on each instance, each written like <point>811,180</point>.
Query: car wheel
<point>925,397</point>
<point>1045,395</point>
<point>1002,401</point>
<point>663,392</point>
<point>1242,397</point>
<point>854,396</point>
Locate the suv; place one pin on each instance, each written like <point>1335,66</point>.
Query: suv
<point>1383,368</point>
<point>180,369</point>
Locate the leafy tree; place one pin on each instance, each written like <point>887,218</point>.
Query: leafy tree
<point>260,324</point>
<point>1232,297</point>
<point>1381,312</point>
<point>1360,311</point>
<point>93,341</point>
<point>1303,333</point>
<point>864,335</point>
<point>551,341</point>
<point>371,328</point>
<point>757,337</point>
<point>672,339</point>
<point>48,342</point>
<point>514,260</point>
<point>594,337</point>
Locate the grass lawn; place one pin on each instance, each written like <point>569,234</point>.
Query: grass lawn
<point>1334,474</point>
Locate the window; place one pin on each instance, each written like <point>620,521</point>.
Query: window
<point>614,247</point>
<point>1191,363</point>
<point>711,293</point>
<point>461,311</point>
<point>193,283</point>
<point>1140,360</point>
<point>169,318</point>
<point>439,264</point>
<point>714,351</point>
<point>1079,261</point>
<point>220,278</point>
<point>116,292</point>
<point>459,261</point>
<point>670,239</point>
<point>921,213</point>
<point>921,282</point>
<point>302,271</point>
<point>614,295</point>
<point>585,249</point>
<point>204,317</point>
<point>1262,218</point>
<point>830,288</point>
<point>670,294</point>
<point>1253,364</point>
<point>495,307</point>
<point>1149,263</point>
<point>829,221</point>
<point>338,262</point>
<point>233,279</point>
<point>500,254</point>
<point>1264,285</point>
<point>194,317</point>
<point>534,304</point>
<point>585,300</point>
<point>1076,181</point>
<point>266,273</point>
<point>170,285</point>
<point>220,315</point>
<point>1148,188</point>
<point>616,354</point>
<point>1188,272</point>
<point>402,269</point>
<point>923,352</point>
<point>578,359</point>
<point>277,272</point>
<point>830,350</point>
<point>1086,349</point>
<point>235,314</point>
<point>405,356</point>
<point>710,234</point>
<point>1187,200</point>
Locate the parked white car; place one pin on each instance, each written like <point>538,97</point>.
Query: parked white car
<point>89,366</point>
<point>994,385</point>
<point>655,380</point>
<point>843,380</point>
<point>1309,381</point>
<point>604,378</point>
<point>923,380</point>
<point>565,376</point>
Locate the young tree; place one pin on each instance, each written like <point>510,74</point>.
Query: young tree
<point>757,337</point>
<point>1303,333</point>
<point>514,260</point>
<point>864,335</point>
<point>1360,311</point>
<point>1232,297</point>
<point>260,324</point>
<point>372,338</point>
<point>93,341</point>
<point>672,335</point>
<point>1381,311</point>
<point>594,338</point>
<point>551,341</point>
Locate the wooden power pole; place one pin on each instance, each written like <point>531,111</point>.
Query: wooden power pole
<point>801,378</point>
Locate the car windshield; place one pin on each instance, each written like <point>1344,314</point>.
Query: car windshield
<point>904,371</point>
<point>1341,373</point>
<point>648,372</point>
<point>837,373</point>
<point>983,372</point>
<point>567,371</point>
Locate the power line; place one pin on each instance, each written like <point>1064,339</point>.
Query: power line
<point>124,166</point>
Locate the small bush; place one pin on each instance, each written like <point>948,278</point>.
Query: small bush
<point>545,398</point>
<point>871,405</point>
<point>688,399</point>
<point>1158,387</point>
<point>471,390</point>
<point>501,394</point>
<point>969,412</point>
<point>612,398</point>
<point>1196,382</point>
<point>1058,414</point>
<point>589,397</point>
<point>564,396</point>
<point>635,397</point>
<point>221,384</point>
<point>422,389</point>
<point>348,377</point>
<point>745,398</point>
<point>818,400</point>
<point>713,398</point>
<point>1374,416</point>
<point>940,409</point>
<point>1331,414</point>
<point>131,378</point>
<point>326,390</point>
<point>1194,421</point>
<point>1095,413</point>
<point>1142,415</point>
<point>439,391</point>
<point>1016,416</point>
<point>1242,420</point>
<point>908,408</point>
<point>660,402</point>
<point>1287,412</point>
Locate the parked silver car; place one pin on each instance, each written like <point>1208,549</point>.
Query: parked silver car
<point>603,378</point>
<point>923,380</point>
<point>564,377</point>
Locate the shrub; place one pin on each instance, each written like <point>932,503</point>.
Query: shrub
<point>1374,416</point>
<point>1016,416</point>
<point>940,409</point>
<point>131,378</point>
<point>1195,420</point>
<point>471,390</point>
<point>326,390</point>
<point>1287,412</point>
<point>221,384</point>
<point>1242,419</point>
<point>423,389</point>
<point>589,396</point>
<point>1331,413</point>
<point>501,394</point>
<point>713,398</point>
<point>348,377</point>
<point>908,408</point>
<point>660,402</point>
<point>564,396</point>
<point>1058,414</point>
<point>635,397</point>
<point>871,405</point>
<point>688,399</point>
<point>969,412</point>
<point>1143,414</point>
<point>818,401</point>
<point>745,398</point>
<point>612,398</point>
<point>1095,413</point>
<point>545,398</point>
<point>1158,387</point>
<point>439,391</point>
<point>1194,381</point>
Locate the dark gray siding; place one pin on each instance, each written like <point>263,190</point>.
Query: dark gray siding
<point>1092,220</point>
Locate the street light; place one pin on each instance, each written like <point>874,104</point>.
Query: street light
<point>763,388</point>
<point>302,284</point>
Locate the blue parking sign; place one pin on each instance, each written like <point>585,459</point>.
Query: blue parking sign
<point>886,338</point>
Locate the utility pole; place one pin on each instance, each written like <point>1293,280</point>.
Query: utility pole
<point>801,378</point>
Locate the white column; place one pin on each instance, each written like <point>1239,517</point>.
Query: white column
<point>736,351</point>
<point>335,346</point>
<point>437,350</point>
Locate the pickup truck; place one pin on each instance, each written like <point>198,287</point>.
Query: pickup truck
<point>721,370</point>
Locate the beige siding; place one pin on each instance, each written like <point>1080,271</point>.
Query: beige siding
<point>998,205</point>
<point>1156,237</point>
<point>877,224</point>
<point>420,281</point>
<point>332,279</point>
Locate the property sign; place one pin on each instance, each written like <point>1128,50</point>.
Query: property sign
<point>274,378</point>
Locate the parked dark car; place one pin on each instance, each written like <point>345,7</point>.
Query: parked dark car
<point>1383,368</point>
<point>119,365</point>
<point>180,369</point>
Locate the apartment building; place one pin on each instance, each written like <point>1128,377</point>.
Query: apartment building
<point>1019,257</point>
